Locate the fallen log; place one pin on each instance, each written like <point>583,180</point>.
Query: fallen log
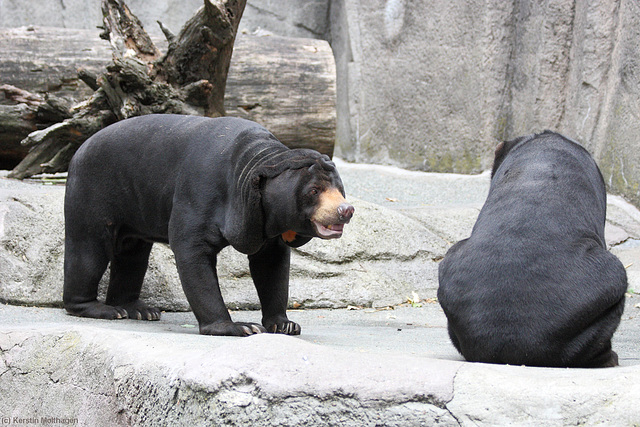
<point>286,84</point>
<point>16,122</point>
<point>30,112</point>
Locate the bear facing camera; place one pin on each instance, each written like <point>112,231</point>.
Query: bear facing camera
<point>198,184</point>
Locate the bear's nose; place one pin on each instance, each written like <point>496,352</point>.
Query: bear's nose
<point>345,212</point>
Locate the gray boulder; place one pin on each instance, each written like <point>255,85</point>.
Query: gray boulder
<point>381,260</point>
<point>404,223</point>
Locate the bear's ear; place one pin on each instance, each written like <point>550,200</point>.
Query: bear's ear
<point>499,155</point>
<point>501,152</point>
<point>326,163</point>
<point>294,240</point>
<point>323,163</point>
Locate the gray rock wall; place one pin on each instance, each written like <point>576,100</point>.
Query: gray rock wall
<point>422,81</point>
<point>293,18</point>
<point>575,70</point>
<point>86,13</point>
<point>434,84</point>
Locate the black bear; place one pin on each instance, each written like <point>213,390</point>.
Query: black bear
<point>198,184</point>
<point>535,284</point>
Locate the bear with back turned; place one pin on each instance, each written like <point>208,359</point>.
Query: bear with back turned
<point>534,284</point>
<point>198,184</point>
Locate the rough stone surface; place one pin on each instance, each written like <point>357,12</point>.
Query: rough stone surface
<point>351,368</point>
<point>87,14</point>
<point>158,379</point>
<point>574,71</point>
<point>539,396</point>
<point>423,81</point>
<point>294,18</point>
<point>31,243</point>
<point>434,85</point>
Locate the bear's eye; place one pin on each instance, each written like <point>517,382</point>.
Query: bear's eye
<point>314,191</point>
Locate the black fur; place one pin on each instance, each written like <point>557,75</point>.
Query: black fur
<point>535,284</point>
<point>198,184</point>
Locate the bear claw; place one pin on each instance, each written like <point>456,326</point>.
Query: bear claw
<point>287,328</point>
<point>228,328</point>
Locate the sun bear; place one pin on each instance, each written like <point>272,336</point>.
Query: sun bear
<point>198,184</point>
<point>535,283</point>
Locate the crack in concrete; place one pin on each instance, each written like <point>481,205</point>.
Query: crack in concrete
<point>23,203</point>
<point>453,395</point>
<point>360,257</point>
<point>265,11</point>
<point>312,31</point>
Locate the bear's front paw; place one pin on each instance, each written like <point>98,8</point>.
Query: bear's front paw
<point>286,327</point>
<point>141,311</point>
<point>228,328</point>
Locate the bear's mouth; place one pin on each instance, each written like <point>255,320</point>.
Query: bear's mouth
<point>331,231</point>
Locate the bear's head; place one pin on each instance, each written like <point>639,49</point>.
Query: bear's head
<point>306,202</point>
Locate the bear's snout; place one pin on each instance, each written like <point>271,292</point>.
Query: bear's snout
<point>345,212</point>
<point>332,213</point>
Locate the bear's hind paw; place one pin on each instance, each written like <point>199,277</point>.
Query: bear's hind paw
<point>96,310</point>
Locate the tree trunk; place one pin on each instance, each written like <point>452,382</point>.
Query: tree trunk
<point>139,82</point>
<point>202,53</point>
<point>286,84</point>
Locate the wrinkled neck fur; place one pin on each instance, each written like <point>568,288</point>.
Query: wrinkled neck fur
<point>249,233</point>
<point>248,165</point>
<point>256,158</point>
